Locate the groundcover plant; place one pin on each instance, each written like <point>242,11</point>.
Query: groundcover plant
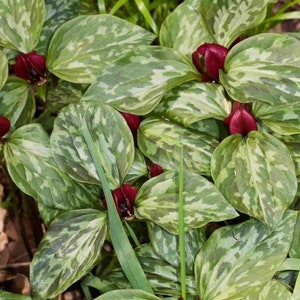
<point>165,166</point>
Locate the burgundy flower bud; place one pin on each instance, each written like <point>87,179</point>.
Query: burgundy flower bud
<point>240,120</point>
<point>4,126</point>
<point>133,122</point>
<point>209,59</point>
<point>124,198</point>
<point>155,170</point>
<point>31,67</point>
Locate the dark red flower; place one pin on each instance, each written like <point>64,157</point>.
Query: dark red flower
<point>155,170</point>
<point>31,67</point>
<point>133,122</point>
<point>4,126</point>
<point>124,198</point>
<point>240,120</point>
<point>209,59</point>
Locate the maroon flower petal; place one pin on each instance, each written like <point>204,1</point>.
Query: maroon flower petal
<point>129,193</point>
<point>242,122</point>
<point>133,121</point>
<point>155,170</point>
<point>4,126</point>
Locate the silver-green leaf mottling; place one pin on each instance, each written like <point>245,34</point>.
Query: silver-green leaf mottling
<point>3,69</point>
<point>137,82</point>
<point>157,201</point>
<point>111,136</point>
<point>237,260</point>
<point>265,68</point>
<point>21,23</point>
<point>256,174</point>
<point>85,45</point>
<point>68,251</point>
<point>127,294</point>
<point>160,140</point>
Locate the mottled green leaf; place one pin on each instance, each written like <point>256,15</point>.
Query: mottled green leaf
<point>237,260</point>
<point>138,168</point>
<point>295,248</point>
<point>3,69</point>
<point>69,250</point>
<point>256,174</point>
<point>85,45</point>
<point>206,126</point>
<point>17,102</point>
<point>10,296</point>
<point>34,171</point>
<point>57,12</point>
<point>137,82</point>
<point>184,28</point>
<point>63,94</point>
<point>21,22</point>
<point>226,19</point>
<point>167,245</point>
<point>111,136</point>
<point>194,101</point>
<point>281,119</point>
<point>264,68</point>
<point>157,201</point>
<point>161,140</point>
<point>127,294</point>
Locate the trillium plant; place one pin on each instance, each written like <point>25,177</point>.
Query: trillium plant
<point>164,159</point>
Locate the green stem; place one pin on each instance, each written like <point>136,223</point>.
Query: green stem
<point>124,251</point>
<point>181,227</point>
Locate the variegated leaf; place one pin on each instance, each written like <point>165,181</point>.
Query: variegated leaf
<point>184,29</point>
<point>112,139</point>
<point>194,101</point>
<point>164,278</point>
<point>157,201</point>
<point>138,168</point>
<point>137,82</point>
<point>63,94</point>
<point>237,260</point>
<point>85,45</point>
<point>17,102</point>
<point>34,171</point>
<point>161,141</point>
<point>127,294</point>
<point>295,248</point>
<point>57,12</point>
<point>68,251</point>
<point>167,245</point>
<point>225,20</point>
<point>206,126</point>
<point>281,119</point>
<point>21,23</point>
<point>3,69</point>
<point>11,296</point>
<point>264,68</point>
<point>256,174</point>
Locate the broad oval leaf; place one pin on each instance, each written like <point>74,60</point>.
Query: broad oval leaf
<point>157,201</point>
<point>264,68</point>
<point>194,101</point>
<point>184,29</point>
<point>295,248</point>
<point>161,141</point>
<point>57,12</point>
<point>256,174</point>
<point>21,23</point>
<point>112,139</point>
<point>85,45</point>
<point>237,260</point>
<point>137,82</point>
<point>127,294</point>
<point>283,120</point>
<point>32,167</point>
<point>11,296</point>
<point>69,250</point>
<point>17,102</point>
<point>167,245</point>
<point>225,20</point>
<point>3,69</point>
